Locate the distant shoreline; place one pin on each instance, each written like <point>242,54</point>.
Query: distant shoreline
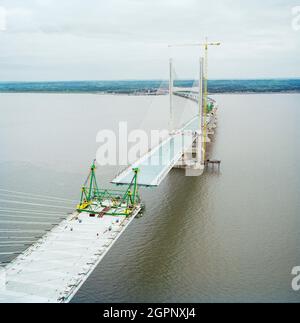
<point>153,87</point>
<point>144,94</point>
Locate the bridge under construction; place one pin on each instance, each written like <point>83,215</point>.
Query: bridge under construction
<point>54,267</point>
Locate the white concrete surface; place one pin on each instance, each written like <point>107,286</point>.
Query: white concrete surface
<point>54,268</point>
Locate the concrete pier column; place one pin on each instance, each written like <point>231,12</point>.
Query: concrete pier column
<point>194,171</point>
<point>196,166</point>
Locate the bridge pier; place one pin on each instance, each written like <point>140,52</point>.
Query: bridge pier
<point>191,160</point>
<point>194,171</point>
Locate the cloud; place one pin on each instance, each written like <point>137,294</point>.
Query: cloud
<point>128,38</point>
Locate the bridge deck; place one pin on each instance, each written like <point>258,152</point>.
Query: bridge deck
<point>54,268</point>
<point>156,164</point>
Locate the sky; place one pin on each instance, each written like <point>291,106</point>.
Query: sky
<point>47,40</point>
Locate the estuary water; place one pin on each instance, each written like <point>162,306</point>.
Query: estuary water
<point>232,236</point>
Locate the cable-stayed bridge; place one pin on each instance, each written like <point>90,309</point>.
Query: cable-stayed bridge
<point>54,267</point>
<point>57,264</point>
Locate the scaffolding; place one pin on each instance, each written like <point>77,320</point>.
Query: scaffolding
<point>94,200</point>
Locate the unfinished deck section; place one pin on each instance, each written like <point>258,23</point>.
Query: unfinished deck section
<point>54,268</point>
<point>155,165</point>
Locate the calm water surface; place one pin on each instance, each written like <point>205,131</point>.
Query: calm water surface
<point>232,236</point>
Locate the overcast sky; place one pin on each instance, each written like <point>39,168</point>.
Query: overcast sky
<point>128,39</point>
